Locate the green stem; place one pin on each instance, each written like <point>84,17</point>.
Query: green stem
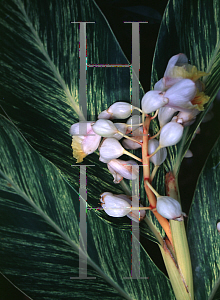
<point>154,230</point>
<point>132,155</point>
<point>153,173</point>
<point>177,283</point>
<point>180,242</point>
<point>125,187</point>
<point>152,189</point>
<point>128,137</point>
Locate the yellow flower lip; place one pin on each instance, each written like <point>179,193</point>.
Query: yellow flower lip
<point>199,100</point>
<point>78,153</point>
<point>83,145</point>
<point>188,71</point>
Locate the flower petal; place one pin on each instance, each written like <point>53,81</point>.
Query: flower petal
<point>104,128</point>
<point>152,101</point>
<point>176,60</point>
<point>114,206</point>
<point>169,208</point>
<point>120,110</point>
<point>158,158</point>
<point>83,145</point>
<point>110,149</point>
<point>104,115</point>
<point>78,152</point>
<point>180,95</point>
<point>165,114</point>
<point>127,169</point>
<point>171,134</point>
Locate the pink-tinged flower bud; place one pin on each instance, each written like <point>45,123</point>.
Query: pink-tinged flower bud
<point>165,114</point>
<point>218,226</point>
<point>104,160</point>
<point>83,145</point>
<point>134,215</point>
<point>121,168</point>
<point>114,206</point>
<point>122,127</point>
<point>169,208</point>
<point>120,110</point>
<point>136,135</point>
<point>188,118</point>
<point>107,128</point>
<point>158,158</point>
<point>168,80</point>
<point>134,122</point>
<point>188,154</point>
<point>110,149</point>
<point>178,60</point>
<point>117,177</point>
<point>152,101</point>
<point>180,95</point>
<point>171,134</point>
<point>128,144</point>
<point>104,128</point>
<point>104,115</point>
<point>160,85</point>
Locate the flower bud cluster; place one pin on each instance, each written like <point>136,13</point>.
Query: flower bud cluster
<point>178,98</point>
<point>179,92</point>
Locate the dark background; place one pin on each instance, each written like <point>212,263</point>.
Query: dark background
<point>116,12</point>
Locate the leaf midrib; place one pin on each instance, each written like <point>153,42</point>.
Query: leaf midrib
<point>51,65</point>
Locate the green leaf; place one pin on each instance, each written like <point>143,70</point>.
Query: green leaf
<point>39,229</point>
<point>40,82</point>
<point>191,27</point>
<point>203,237</point>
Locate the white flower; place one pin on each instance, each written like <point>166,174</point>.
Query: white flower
<point>169,208</point>
<point>121,168</point>
<point>188,118</point>
<point>107,128</point>
<point>104,115</point>
<point>188,154</point>
<point>165,114</point>
<point>136,135</point>
<point>158,158</point>
<point>180,95</point>
<point>114,206</point>
<point>171,134</point>
<point>167,81</point>
<point>134,122</point>
<point>110,149</point>
<point>122,128</point>
<point>134,215</point>
<point>118,110</point>
<point>218,226</point>
<point>152,101</point>
<point>83,145</point>
<point>104,128</point>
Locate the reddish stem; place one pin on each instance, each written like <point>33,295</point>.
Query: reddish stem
<point>146,173</point>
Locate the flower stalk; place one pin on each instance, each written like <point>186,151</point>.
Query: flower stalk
<point>146,173</point>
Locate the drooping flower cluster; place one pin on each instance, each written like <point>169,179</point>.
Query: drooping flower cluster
<point>177,98</point>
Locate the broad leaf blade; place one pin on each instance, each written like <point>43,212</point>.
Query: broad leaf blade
<point>191,27</point>
<point>203,237</point>
<point>40,81</point>
<point>40,234</point>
